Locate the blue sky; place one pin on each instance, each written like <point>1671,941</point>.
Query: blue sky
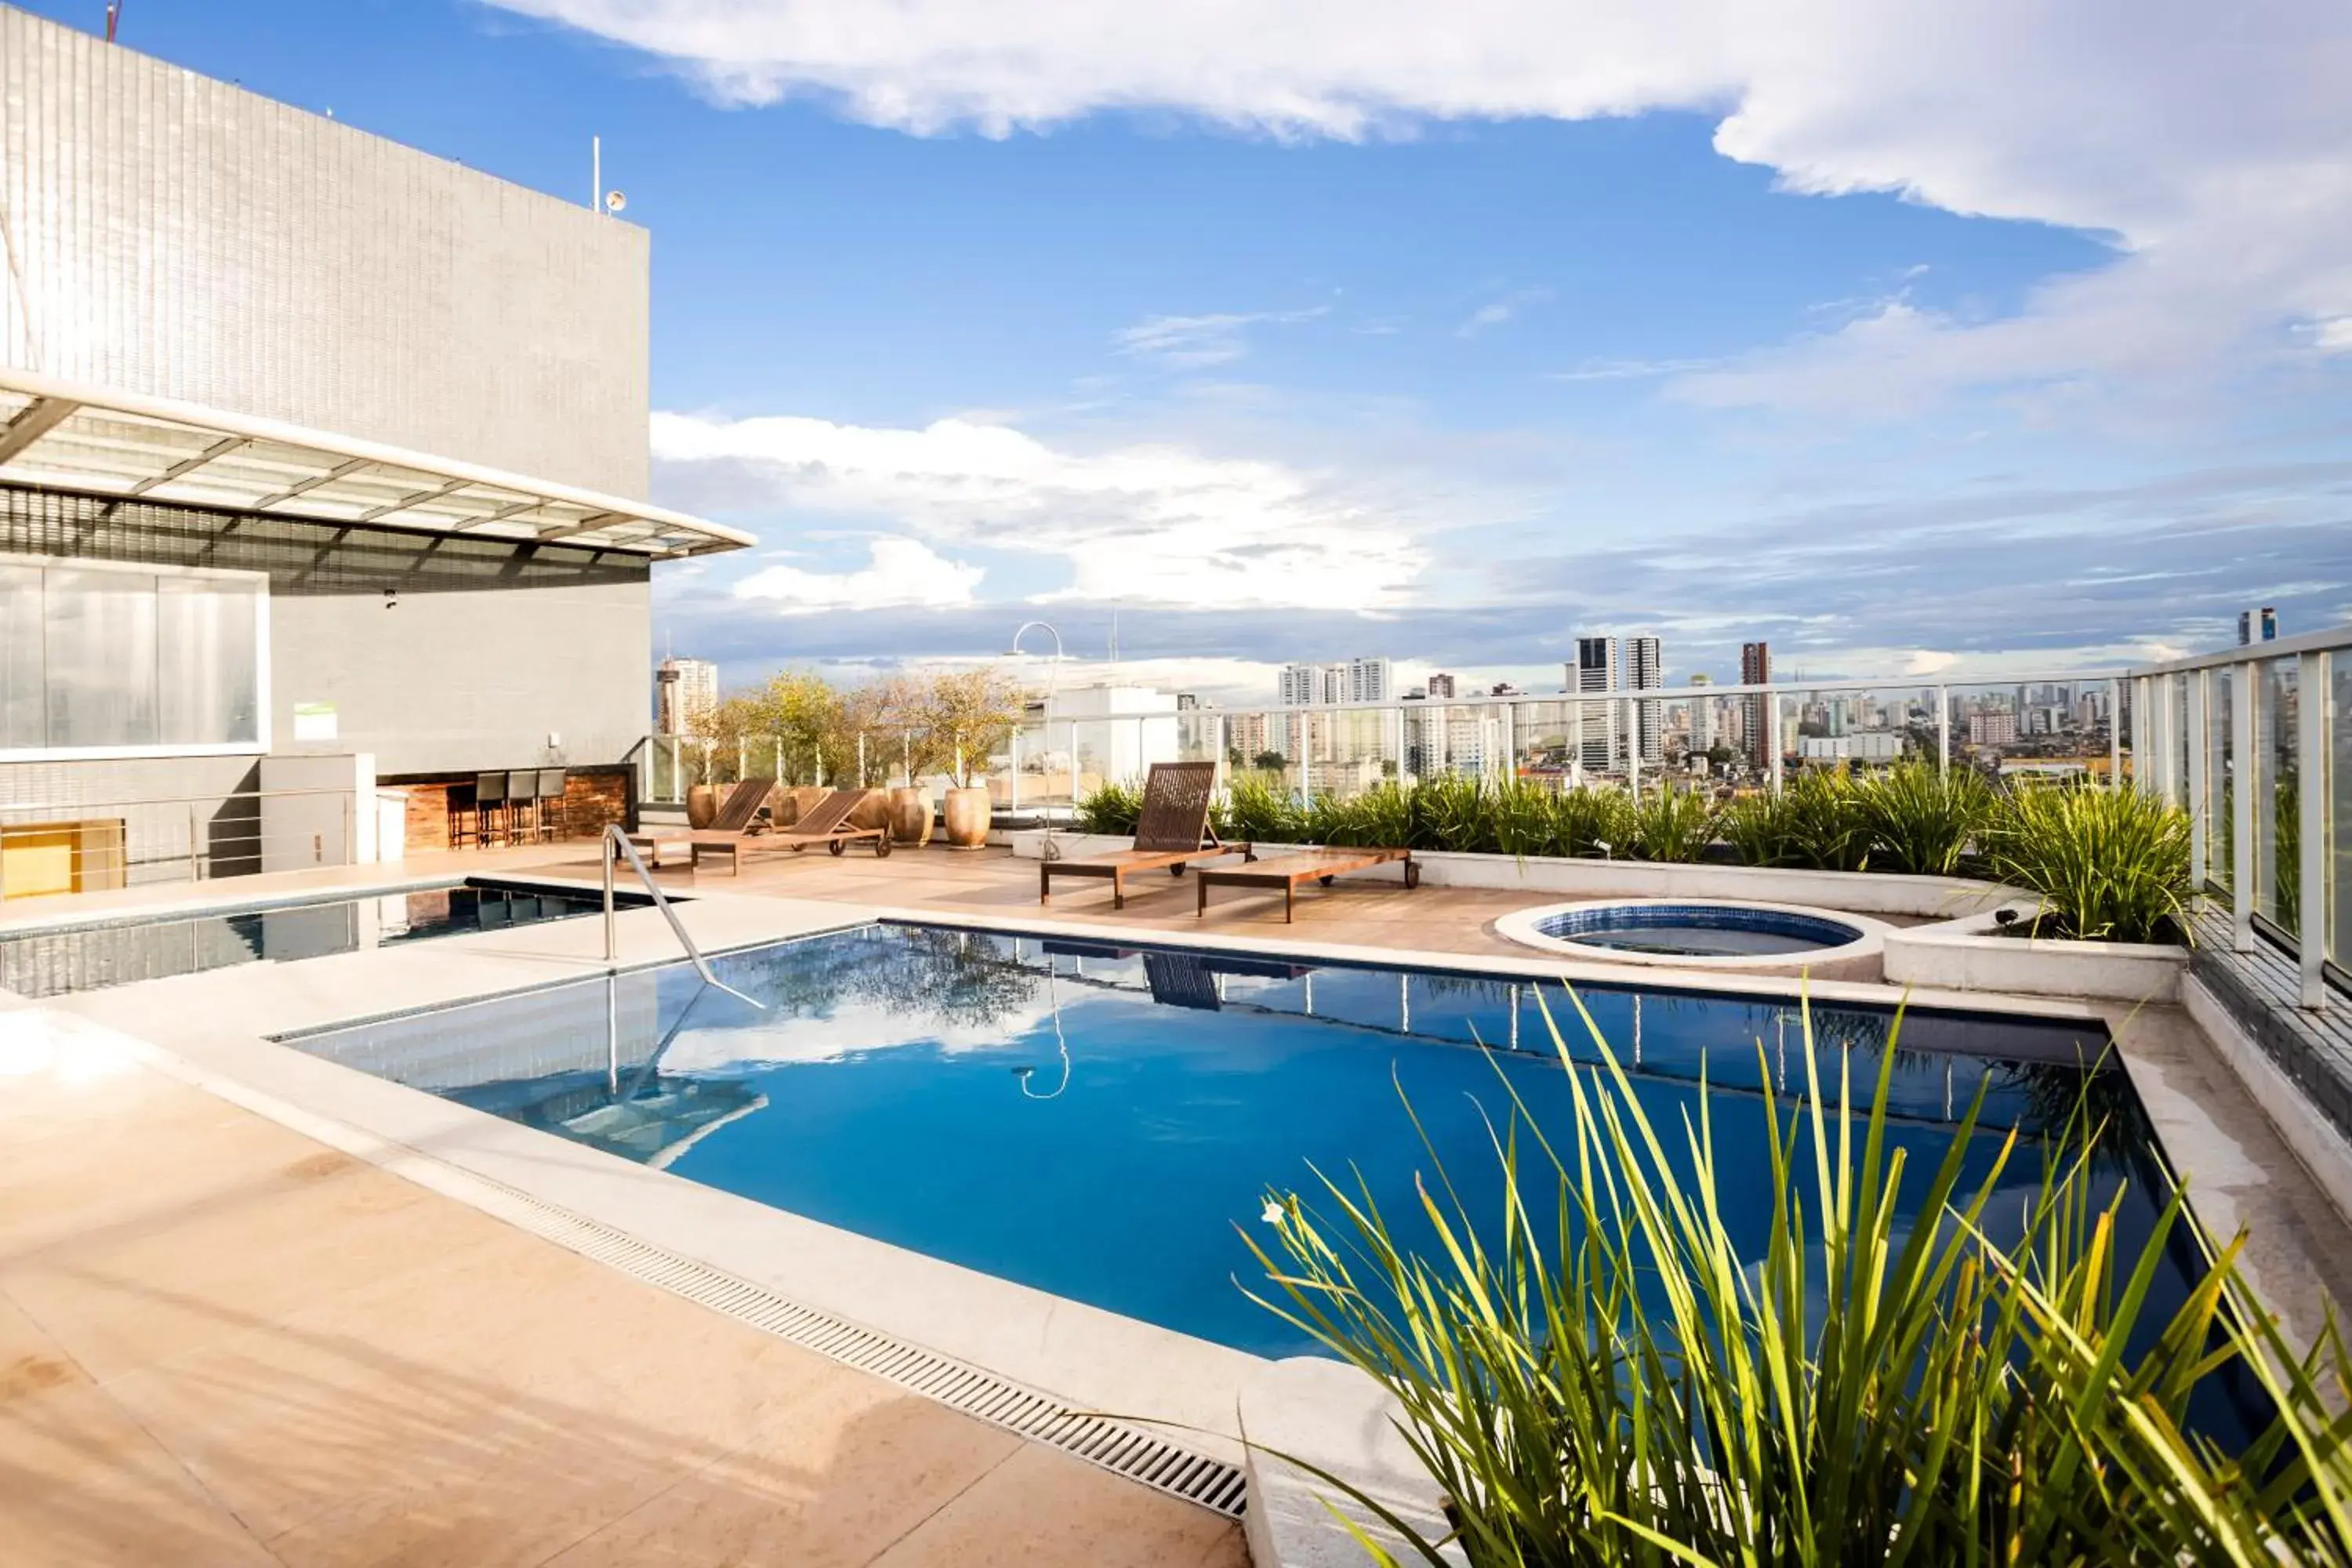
<point>1970,338</point>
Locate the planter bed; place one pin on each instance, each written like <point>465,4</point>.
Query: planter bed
<point>1862,893</point>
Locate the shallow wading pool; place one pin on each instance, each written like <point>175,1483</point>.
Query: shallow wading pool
<point>1100,1122</point>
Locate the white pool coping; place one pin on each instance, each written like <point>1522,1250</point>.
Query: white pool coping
<point>1526,927</point>
<point>213,1029</point>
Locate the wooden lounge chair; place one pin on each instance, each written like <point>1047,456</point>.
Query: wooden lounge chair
<point>1172,829</point>
<point>741,810</point>
<point>1288,871</point>
<point>826,823</point>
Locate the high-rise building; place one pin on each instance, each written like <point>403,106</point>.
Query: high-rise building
<point>1319,685</point>
<point>1702,731</point>
<point>685,692</point>
<point>1643,662</point>
<point>1440,684</point>
<point>1617,664</point>
<point>1755,669</point>
<point>1595,670</point>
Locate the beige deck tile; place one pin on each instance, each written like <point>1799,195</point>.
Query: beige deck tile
<point>1038,1510</point>
<point>144,1288</point>
<point>829,1483</point>
<point>82,1484</point>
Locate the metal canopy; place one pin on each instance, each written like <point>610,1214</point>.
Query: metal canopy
<point>56,434</point>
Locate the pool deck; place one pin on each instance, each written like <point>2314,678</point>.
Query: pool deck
<point>253,1307</point>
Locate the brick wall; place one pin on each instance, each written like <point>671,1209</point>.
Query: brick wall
<point>428,816</point>
<point>592,801</point>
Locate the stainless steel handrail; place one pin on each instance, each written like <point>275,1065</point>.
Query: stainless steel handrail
<point>616,843</point>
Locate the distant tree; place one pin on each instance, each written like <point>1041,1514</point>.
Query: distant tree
<point>1270,761</point>
<point>1236,757</point>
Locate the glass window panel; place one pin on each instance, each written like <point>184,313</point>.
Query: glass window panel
<point>2277,885</point>
<point>100,648</point>
<point>22,723</point>
<point>210,664</point>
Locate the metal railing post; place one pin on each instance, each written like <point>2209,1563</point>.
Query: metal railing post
<point>2115,730</point>
<point>1632,748</point>
<point>1943,729</point>
<point>1772,739</point>
<point>2312,692</point>
<point>1013,788</point>
<point>2242,772</point>
<point>194,873</point>
<point>612,927</point>
<point>2199,801</point>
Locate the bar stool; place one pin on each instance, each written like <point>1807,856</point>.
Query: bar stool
<point>490,810</point>
<point>522,793</point>
<point>552,815</point>
<point>465,816</point>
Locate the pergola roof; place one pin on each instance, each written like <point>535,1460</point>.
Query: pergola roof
<point>57,434</point>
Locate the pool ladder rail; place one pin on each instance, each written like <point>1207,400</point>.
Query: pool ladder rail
<point>615,843</point>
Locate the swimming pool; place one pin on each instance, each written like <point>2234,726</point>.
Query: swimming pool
<point>1097,1121</point>
<point>55,962</point>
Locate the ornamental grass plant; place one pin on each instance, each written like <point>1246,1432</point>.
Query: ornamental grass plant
<point>1923,820</point>
<point>2110,863</point>
<point>1607,1377</point>
<point>1112,808</point>
<point>1672,824</point>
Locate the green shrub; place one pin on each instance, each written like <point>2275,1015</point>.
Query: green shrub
<point>1525,818</point>
<point>1757,826</point>
<point>1456,811</point>
<point>2110,863</point>
<point>1110,808</point>
<point>1923,819</point>
<point>1586,817</point>
<point>1622,1386</point>
<point>1380,816</point>
<point>1825,825</point>
<point>1671,823</point>
<point>1257,809</point>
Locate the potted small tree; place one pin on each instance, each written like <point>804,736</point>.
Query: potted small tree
<point>904,706</point>
<point>973,717</point>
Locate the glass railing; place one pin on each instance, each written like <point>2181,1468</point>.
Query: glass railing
<point>2251,742</point>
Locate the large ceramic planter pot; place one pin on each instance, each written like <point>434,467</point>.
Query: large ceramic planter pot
<point>965,818</point>
<point>910,814</point>
<point>701,805</point>
<point>789,805</point>
<point>873,811</point>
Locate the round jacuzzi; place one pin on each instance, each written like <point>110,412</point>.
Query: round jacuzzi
<point>1704,932</point>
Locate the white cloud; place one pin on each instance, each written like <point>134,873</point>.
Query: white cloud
<point>1495,312</point>
<point>2212,142</point>
<point>900,574</point>
<point>1191,341</point>
<point>1144,525</point>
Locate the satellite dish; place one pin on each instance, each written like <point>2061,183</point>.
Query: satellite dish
<point>614,201</point>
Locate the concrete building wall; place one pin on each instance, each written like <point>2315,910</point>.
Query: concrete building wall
<point>182,238</point>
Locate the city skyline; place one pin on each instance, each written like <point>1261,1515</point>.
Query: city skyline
<point>1243,354</point>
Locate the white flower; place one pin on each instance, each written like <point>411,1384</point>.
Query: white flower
<point>1273,1214</point>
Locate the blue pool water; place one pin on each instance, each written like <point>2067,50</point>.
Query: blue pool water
<point>119,953</point>
<point>1097,1122</point>
<point>1697,930</point>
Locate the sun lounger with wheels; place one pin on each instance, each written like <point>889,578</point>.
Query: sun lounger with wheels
<point>1172,831</point>
<point>742,808</point>
<point>826,823</point>
<point>1288,871</point>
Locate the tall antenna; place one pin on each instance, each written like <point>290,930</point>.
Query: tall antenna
<point>113,16</point>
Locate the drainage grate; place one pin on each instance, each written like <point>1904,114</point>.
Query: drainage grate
<point>1133,1452</point>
